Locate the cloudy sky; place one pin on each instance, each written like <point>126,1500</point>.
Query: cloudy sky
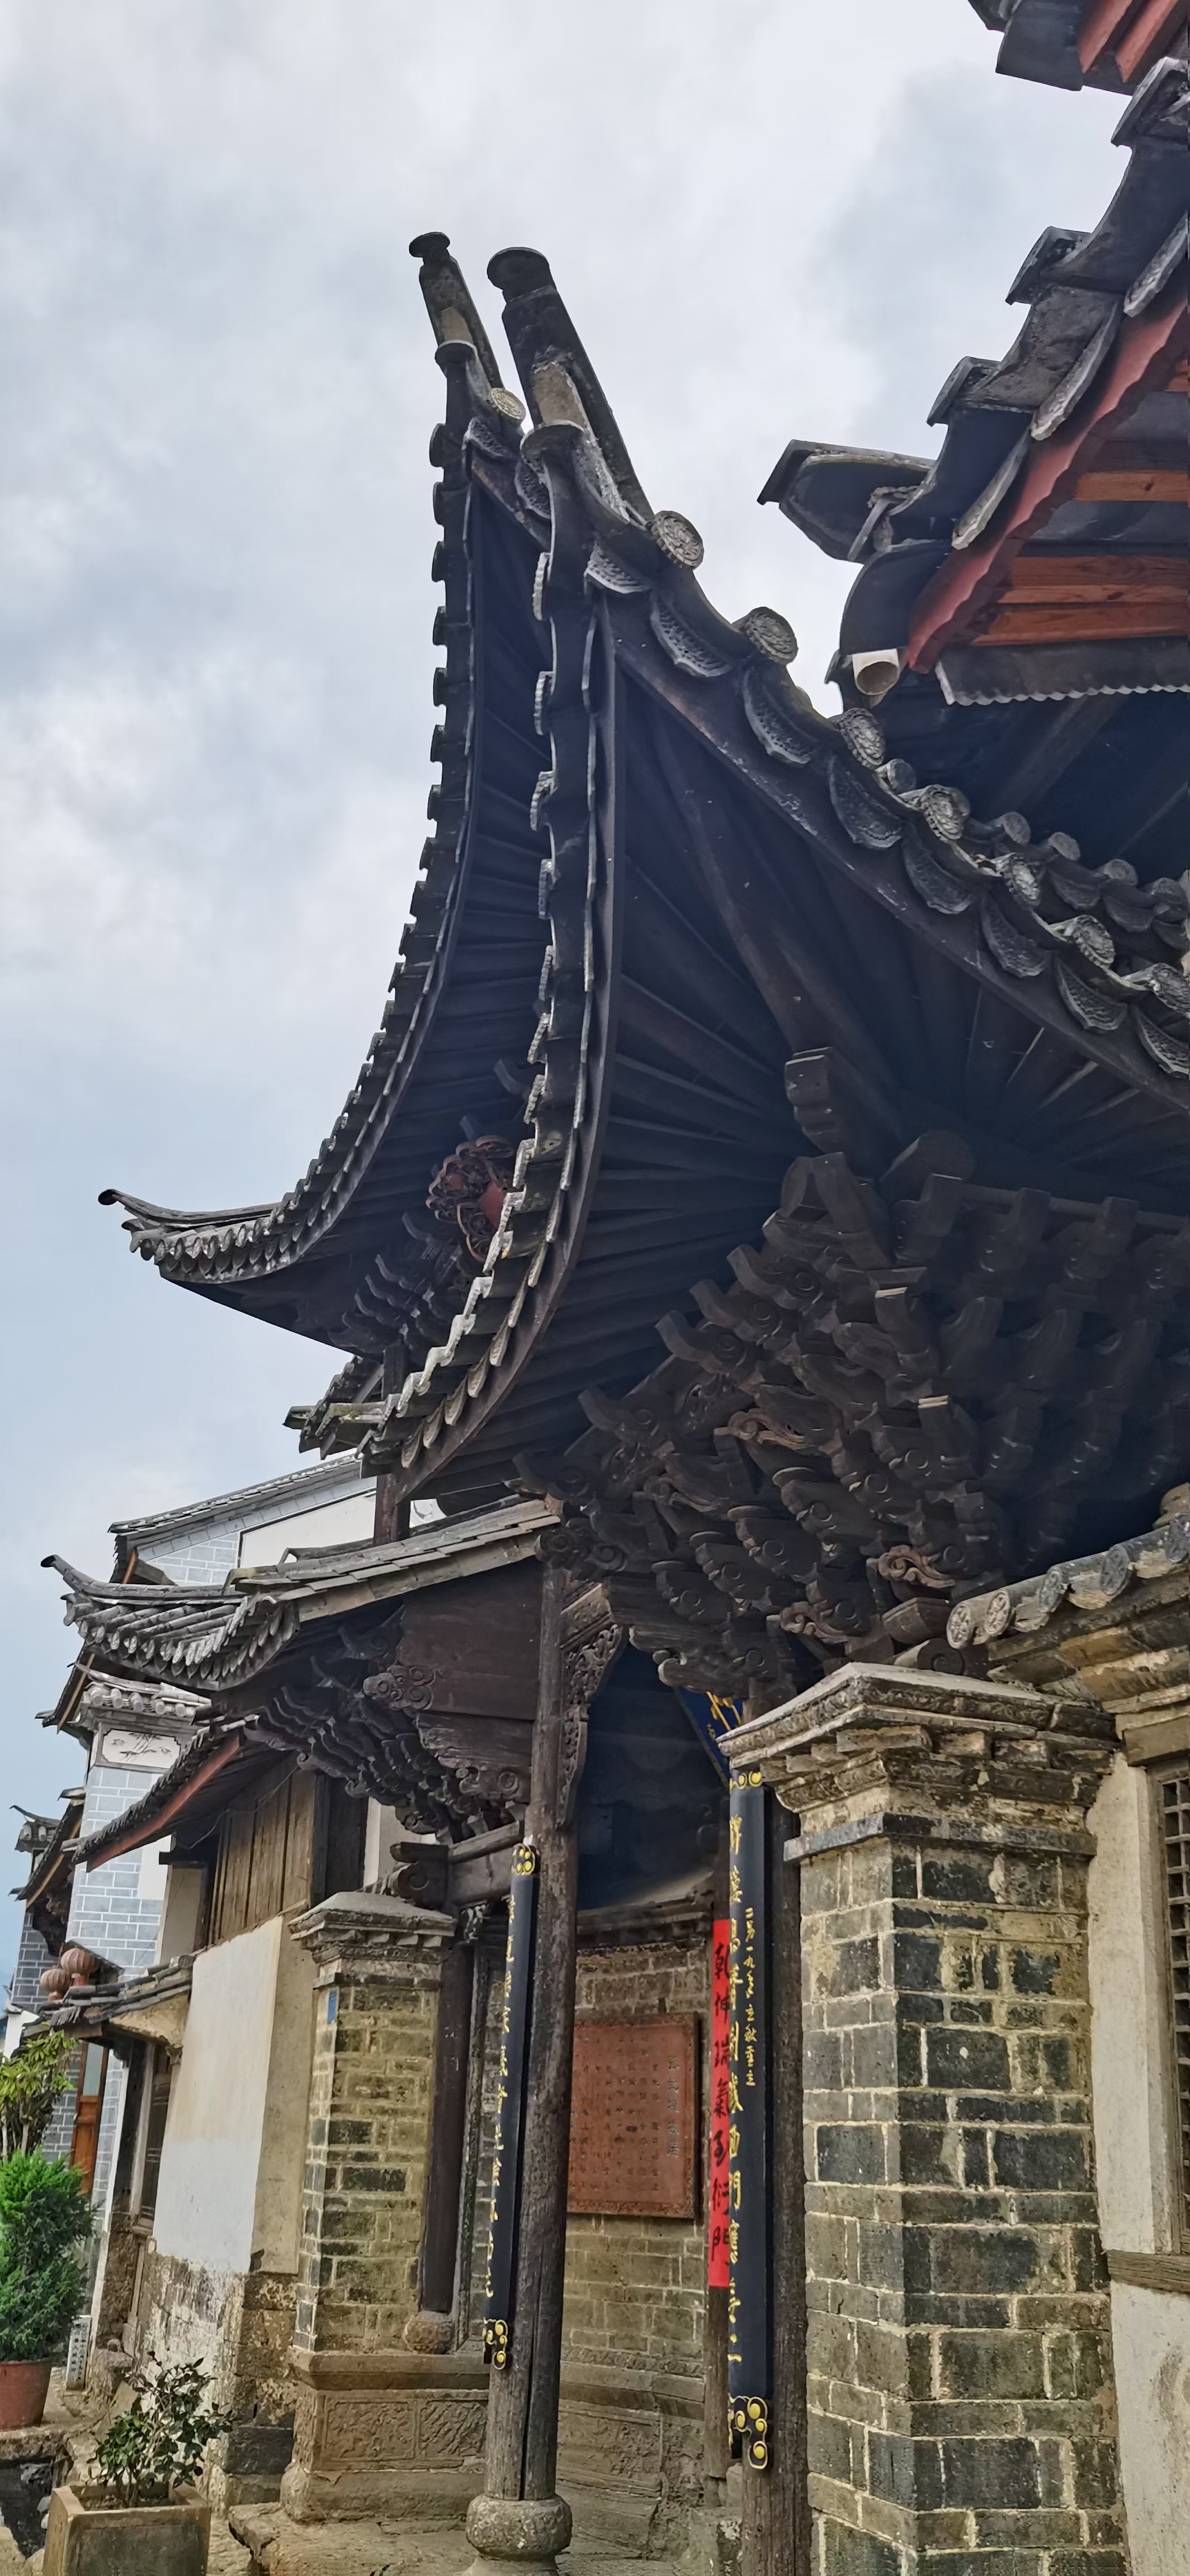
<point>769,217</point>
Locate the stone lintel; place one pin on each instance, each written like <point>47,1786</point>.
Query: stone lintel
<point>368,1935</point>
<point>960,1756</point>
<point>958,1832</point>
<point>583,2383</point>
<point>388,2369</point>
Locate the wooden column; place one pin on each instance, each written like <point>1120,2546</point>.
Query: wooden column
<point>776,2533</point>
<point>520,2517</point>
<point>391,1518</point>
<point>716,2455</point>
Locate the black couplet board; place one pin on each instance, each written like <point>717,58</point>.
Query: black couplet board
<point>749,2332</point>
<point>510,2108</point>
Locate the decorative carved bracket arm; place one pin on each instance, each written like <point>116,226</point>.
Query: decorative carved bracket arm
<point>591,1642</point>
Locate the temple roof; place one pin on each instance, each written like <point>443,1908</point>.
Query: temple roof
<point>1106,44</point>
<point>706,883</point>
<point>46,1891</point>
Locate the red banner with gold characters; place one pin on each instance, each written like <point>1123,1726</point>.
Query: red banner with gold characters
<point>718,2194</point>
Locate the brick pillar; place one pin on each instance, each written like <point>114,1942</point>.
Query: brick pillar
<point>378,2428</point>
<point>961,2405</point>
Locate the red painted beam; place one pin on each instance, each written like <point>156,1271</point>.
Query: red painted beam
<point>1148,37</point>
<point>174,1807</point>
<point>1101,27</point>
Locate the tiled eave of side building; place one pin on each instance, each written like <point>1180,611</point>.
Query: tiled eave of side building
<point>1044,554</point>
<point>1113,1628</point>
<point>278,1661</point>
<point>1072,44</point>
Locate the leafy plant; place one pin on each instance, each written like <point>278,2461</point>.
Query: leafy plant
<point>43,2217</point>
<point>30,2084</point>
<point>158,2443</point>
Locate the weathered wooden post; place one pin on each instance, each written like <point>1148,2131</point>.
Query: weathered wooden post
<point>767,2299</point>
<point>520,2519</point>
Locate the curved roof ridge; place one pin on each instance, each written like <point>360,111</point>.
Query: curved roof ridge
<point>245,1242</point>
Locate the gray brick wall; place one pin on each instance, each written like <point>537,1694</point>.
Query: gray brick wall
<point>32,1957</point>
<point>205,1551</point>
<point>108,1914</point>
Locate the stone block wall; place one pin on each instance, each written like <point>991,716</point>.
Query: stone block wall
<point>240,2326</point>
<point>959,2338</point>
<point>369,2124</point>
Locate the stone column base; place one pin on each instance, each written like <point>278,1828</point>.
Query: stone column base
<point>508,2533</point>
<point>386,2434</point>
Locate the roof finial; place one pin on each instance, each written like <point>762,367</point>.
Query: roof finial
<point>542,336</point>
<point>449,302</point>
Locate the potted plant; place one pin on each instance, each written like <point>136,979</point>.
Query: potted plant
<point>30,2084</point>
<point>43,2218</point>
<point>136,2518</point>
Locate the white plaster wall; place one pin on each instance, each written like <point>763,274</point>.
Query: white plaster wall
<point>180,1913</point>
<point>328,1525</point>
<point>1151,2336</point>
<point>277,2223</point>
<point>1135,2150</point>
<point>380,1834</point>
<point>210,2163</point>
<point>1130,2073</point>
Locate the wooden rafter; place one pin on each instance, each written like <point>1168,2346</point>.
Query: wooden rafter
<point>1136,32</point>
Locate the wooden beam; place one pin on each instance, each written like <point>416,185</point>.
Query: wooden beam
<point>1133,483</point>
<point>1102,25</point>
<point>1152,32</point>
<point>1060,623</point>
<point>1083,579</point>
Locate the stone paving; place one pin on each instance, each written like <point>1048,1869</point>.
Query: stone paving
<point>284,2548</point>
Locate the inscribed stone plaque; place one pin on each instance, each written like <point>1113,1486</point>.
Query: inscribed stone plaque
<point>632,2119</point>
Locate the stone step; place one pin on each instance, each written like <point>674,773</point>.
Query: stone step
<point>279,2547</point>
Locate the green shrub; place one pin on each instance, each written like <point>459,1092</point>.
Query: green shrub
<point>158,2443</point>
<point>30,2084</point>
<point>43,2217</point>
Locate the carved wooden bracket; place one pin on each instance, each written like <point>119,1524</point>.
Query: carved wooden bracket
<point>591,1642</point>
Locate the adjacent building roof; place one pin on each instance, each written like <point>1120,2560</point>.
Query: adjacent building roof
<point>46,1892</point>
<point>1044,553</point>
<point>1092,1583</point>
<point>298,1659</point>
<point>215,1639</point>
<point>302,1488</point>
<point>1107,44</point>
